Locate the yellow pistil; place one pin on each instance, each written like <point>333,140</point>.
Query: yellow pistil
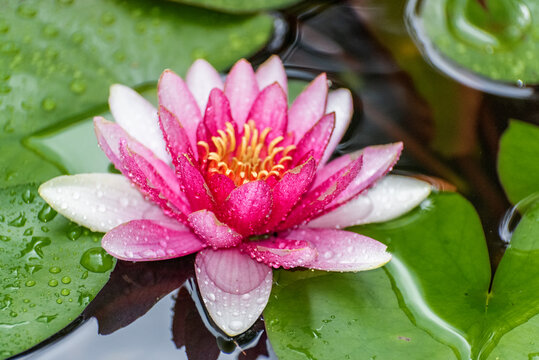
<point>248,159</point>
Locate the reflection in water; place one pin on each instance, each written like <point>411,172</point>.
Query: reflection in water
<point>512,217</point>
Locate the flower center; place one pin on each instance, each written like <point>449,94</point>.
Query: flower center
<point>249,159</point>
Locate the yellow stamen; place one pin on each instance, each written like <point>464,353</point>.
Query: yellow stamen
<point>248,159</point>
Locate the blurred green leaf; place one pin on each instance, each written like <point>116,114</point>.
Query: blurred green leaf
<point>240,6</point>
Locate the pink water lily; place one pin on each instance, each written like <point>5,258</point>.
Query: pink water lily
<point>230,171</point>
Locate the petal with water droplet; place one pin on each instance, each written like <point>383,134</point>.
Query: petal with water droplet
<point>216,234</point>
<point>391,197</point>
<point>277,252</point>
<point>272,70</point>
<point>340,102</point>
<point>241,89</point>
<point>114,193</point>
<point>201,78</point>
<point>235,288</point>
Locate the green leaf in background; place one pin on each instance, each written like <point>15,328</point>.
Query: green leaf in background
<point>240,6</point>
<point>430,299</point>
<point>495,38</point>
<point>58,58</point>
<point>50,269</point>
<point>518,160</point>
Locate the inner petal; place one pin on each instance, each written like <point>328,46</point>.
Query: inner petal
<point>247,158</point>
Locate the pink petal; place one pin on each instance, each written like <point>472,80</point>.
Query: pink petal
<point>339,101</point>
<point>316,139</point>
<point>342,250</point>
<point>194,185</point>
<point>317,199</point>
<point>288,191</point>
<point>174,134</point>
<point>325,171</point>
<point>391,197</point>
<point>221,186</point>
<point>279,252</point>
<point>235,288</point>
<point>241,89</point>
<point>148,240</point>
<point>138,117</point>
<point>377,161</point>
<point>247,207</point>
<point>216,234</point>
<point>270,110</point>
<point>272,70</point>
<point>308,107</point>
<point>108,136</point>
<point>99,202</point>
<point>217,112</point>
<point>154,179</point>
<point>175,96</point>
<point>201,78</point>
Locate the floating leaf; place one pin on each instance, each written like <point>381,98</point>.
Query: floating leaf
<point>58,59</point>
<point>50,269</point>
<point>430,301</point>
<point>518,160</point>
<point>240,6</point>
<point>496,39</point>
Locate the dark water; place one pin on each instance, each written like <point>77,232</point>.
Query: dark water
<point>450,132</point>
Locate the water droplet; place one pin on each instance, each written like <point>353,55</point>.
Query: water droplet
<point>4,27</point>
<point>46,213</point>
<point>5,89</point>
<point>236,325</point>
<point>211,296</point>
<point>54,270</point>
<point>77,86</point>
<point>53,282</point>
<point>66,280</point>
<point>4,238</point>
<point>65,292</point>
<point>34,249</point>
<point>108,19</point>
<point>46,318</point>
<point>50,30</point>
<point>28,196</point>
<point>96,260</point>
<point>48,104</point>
<point>84,298</point>
<point>18,221</point>
<point>30,283</point>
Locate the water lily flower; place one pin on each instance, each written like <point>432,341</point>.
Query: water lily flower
<point>229,171</point>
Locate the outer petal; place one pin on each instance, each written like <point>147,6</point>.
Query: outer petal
<point>270,110</point>
<point>217,112</point>
<point>235,288</point>
<point>177,140</point>
<point>241,89</point>
<point>201,78</point>
<point>175,96</point>
<point>317,199</point>
<point>391,197</point>
<point>216,234</point>
<point>342,250</point>
<point>272,70</point>
<point>316,139</point>
<point>97,201</point>
<point>148,240</point>
<point>247,207</point>
<point>288,191</point>
<point>278,252</point>
<point>138,117</point>
<point>339,101</point>
<point>377,161</point>
<point>308,107</point>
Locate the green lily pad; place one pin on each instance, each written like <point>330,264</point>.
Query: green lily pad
<point>240,6</point>
<point>58,58</point>
<point>496,39</point>
<point>518,160</point>
<point>432,298</point>
<point>50,270</point>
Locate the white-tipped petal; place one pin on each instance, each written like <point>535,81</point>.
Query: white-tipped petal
<point>272,70</point>
<point>390,198</point>
<point>234,299</point>
<point>201,78</point>
<point>339,101</point>
<point>99,202</point>
<point>138,117</point>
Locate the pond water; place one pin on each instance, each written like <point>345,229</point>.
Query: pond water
<point>450,132</point>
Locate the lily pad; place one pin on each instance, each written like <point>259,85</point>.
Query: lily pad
<point>58,58</point>
<point>496,39</point>
<point>50,270</point>
<point>240,6</point>
<point>518,160</point>
<point>432,298</point>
